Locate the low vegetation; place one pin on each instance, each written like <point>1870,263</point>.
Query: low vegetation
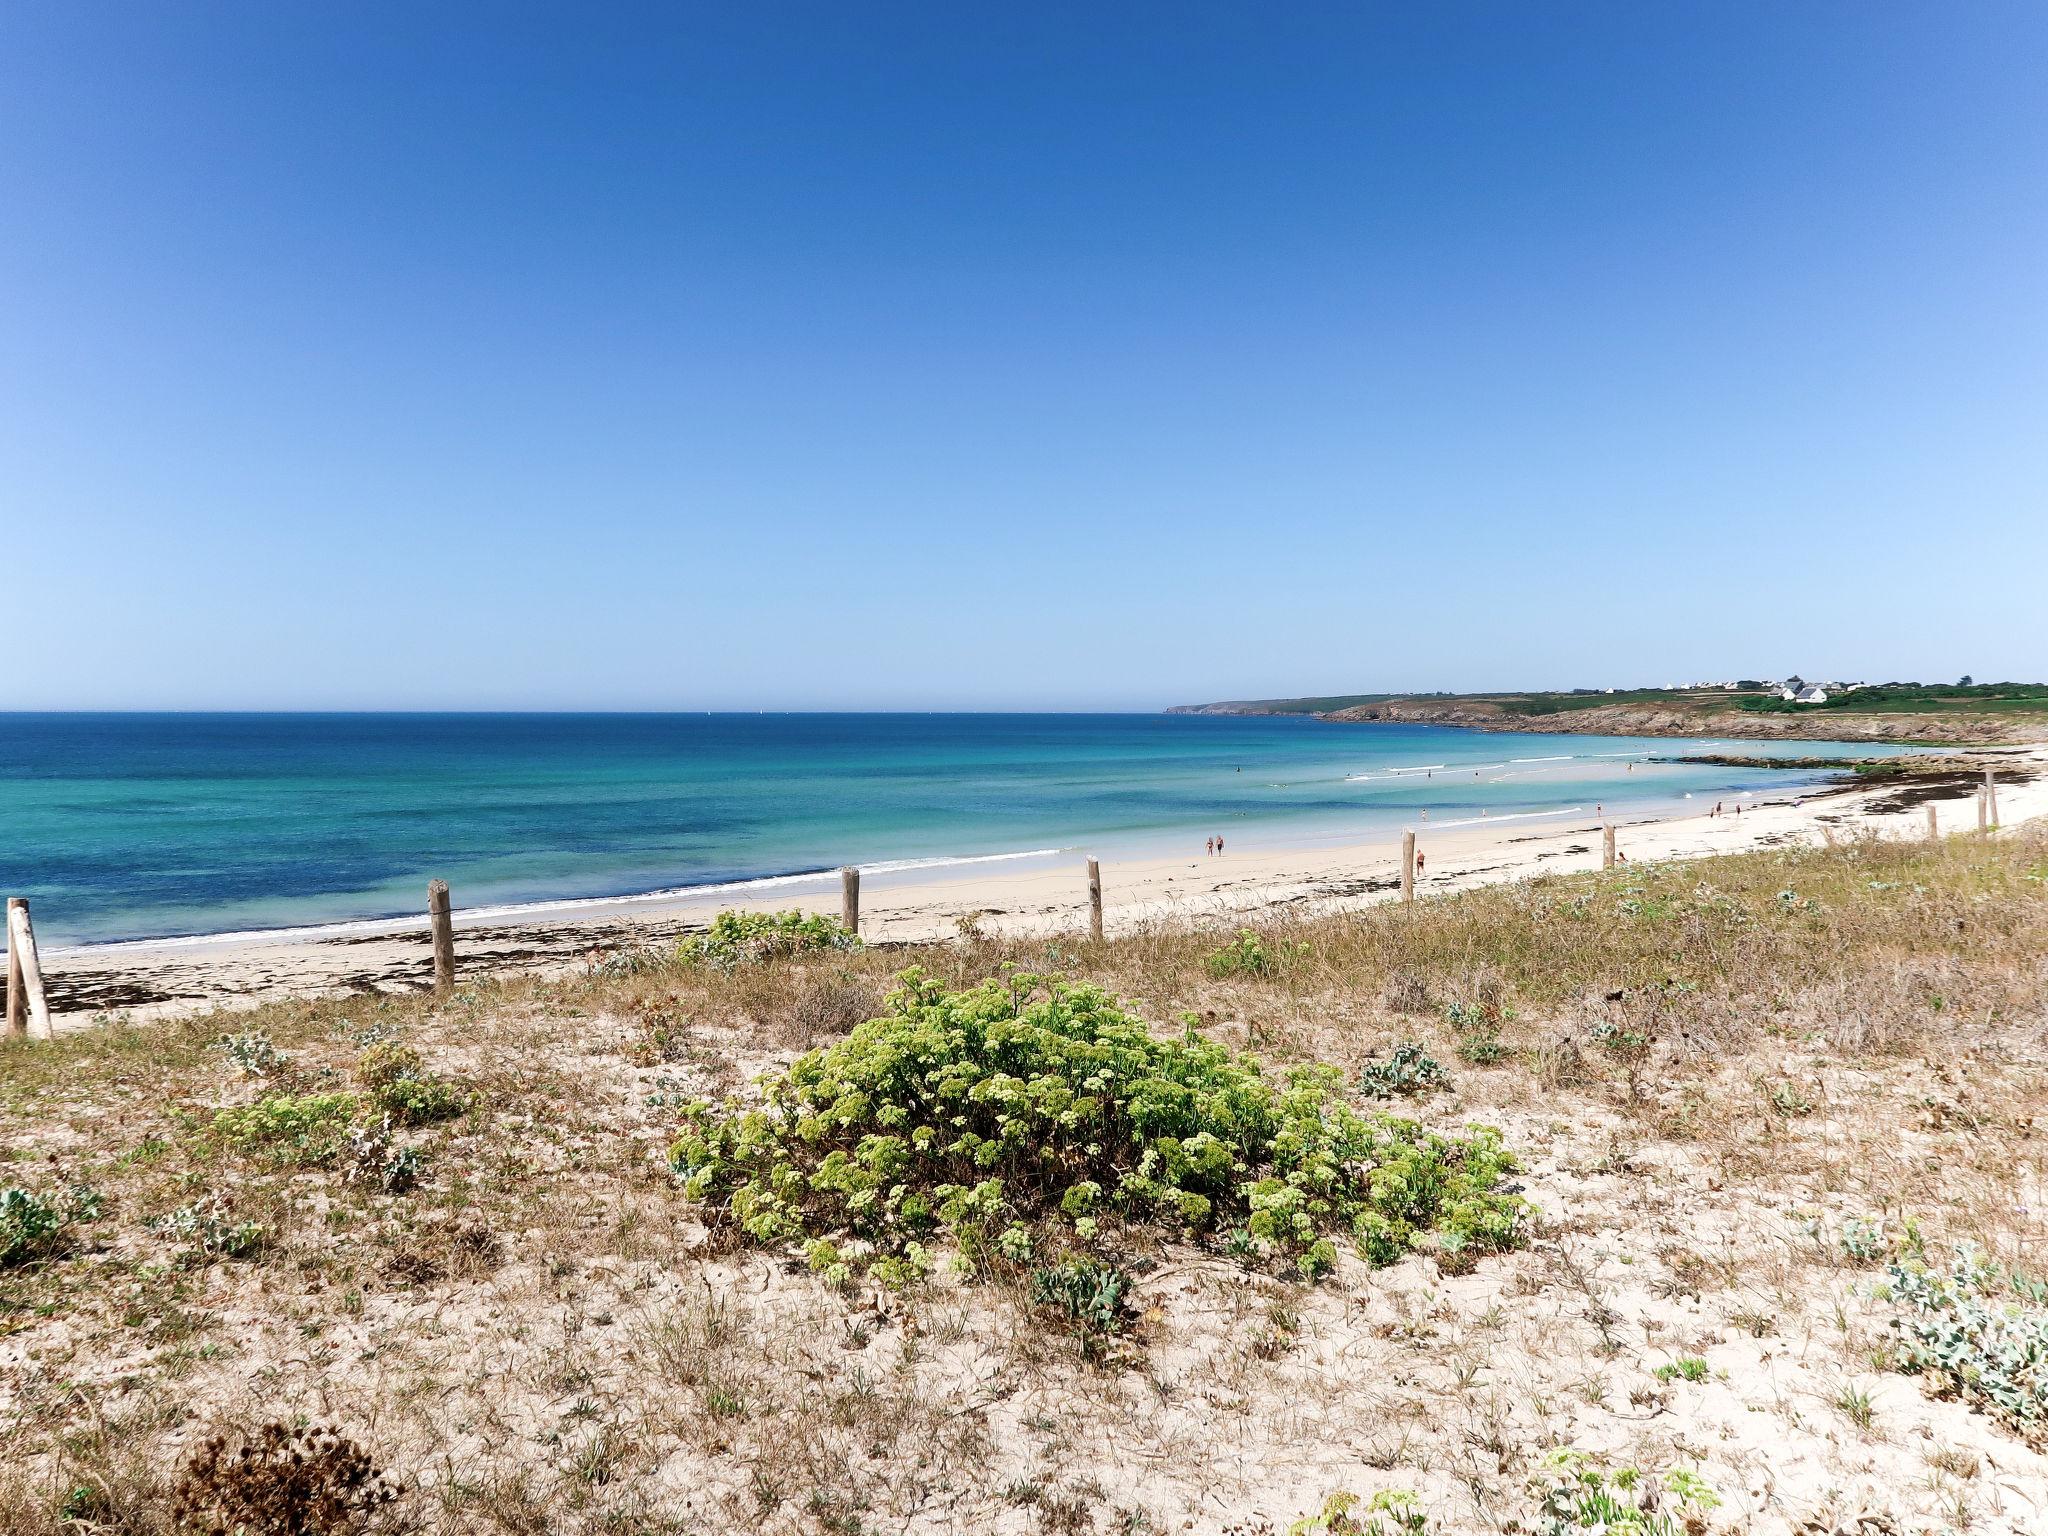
<point>1686,1200</point>
<point>34,1226</point>
<point>749,938</point>
<point>1913,698</point>
<point>1575,1493</point>
<point>284,1481</point>
<point>1026,1110</point>
<point>1960,712</point>
<point>1978,1332</point>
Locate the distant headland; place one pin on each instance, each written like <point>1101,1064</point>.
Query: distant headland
<point>1964,712</point>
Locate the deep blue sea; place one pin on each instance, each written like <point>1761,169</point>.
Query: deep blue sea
<point>122,826</point>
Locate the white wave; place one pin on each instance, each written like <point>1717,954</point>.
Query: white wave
<point>891,866</point>
<point>1409,773</point>
<point>1490,821</point>
<point>1565,758</point>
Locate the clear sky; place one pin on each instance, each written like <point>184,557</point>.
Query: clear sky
<point>1089,356</point>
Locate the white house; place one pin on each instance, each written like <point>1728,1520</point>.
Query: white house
<point>1812,696</point>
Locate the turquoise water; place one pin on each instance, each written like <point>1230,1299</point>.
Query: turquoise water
<point>127,826</point>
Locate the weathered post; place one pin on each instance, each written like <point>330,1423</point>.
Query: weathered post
<point>1991,795</point>
<point>442,922</point>
<point>1607,845</point>
<point>1408,866</point>
<point>1983,812</point>
<point>1933,826</point>
<point>24,964</point>
<point>1095,901</point>
<point>17,989</point>
<point>849,897</point>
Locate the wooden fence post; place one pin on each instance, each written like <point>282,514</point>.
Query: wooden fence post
<point>17,989</point>
<point>1095,901</point>
<point>442,923</point>
<point>1991,795</point>
<point>25,976</point>
<point>1933,826</point>
<point>849,897</point>
<point>1408,866</point>
<point>1607,845</point>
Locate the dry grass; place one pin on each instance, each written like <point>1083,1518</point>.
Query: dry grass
<point>1709,1067</point>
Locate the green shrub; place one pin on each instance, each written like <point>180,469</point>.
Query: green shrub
<point>1868,1239</point>
<point>1479,1026</point>
<point>1245,955</point>
<point>30,1226</point>
<point>1483,1015</point>
<point>418,1101</point>
<point>747,938</point>
<point>1410,1069</point>
<point>1616,1040</point>
<point>402,1088</point>
<point>1573,1494</point>
<point>1684,1368</point>
<point>1093,1296</point>
<point>208,1228</point>
<point>371,1157</point>
<point>961,1113</point>
<point>305,1129</point>
<point>1404,1516</point>
<point>1979,1333</point>
<point>386,1062</point>
<point>1481,1047</point>
<point>252,1053</point>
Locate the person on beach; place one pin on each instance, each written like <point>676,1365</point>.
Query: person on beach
<point>1219,847</point>
<point>1420,860</point>
<point>1210,847</point>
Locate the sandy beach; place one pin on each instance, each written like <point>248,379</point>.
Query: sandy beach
<point>1021,899</point>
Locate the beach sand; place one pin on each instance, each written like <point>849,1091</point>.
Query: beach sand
<point>1030,899</point>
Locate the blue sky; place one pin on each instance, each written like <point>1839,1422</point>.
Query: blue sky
<point>1049,356</point>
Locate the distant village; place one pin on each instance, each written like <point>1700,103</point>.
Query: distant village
<point>1793,690</point>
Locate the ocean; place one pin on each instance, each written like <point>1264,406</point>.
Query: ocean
<point>128,826</point>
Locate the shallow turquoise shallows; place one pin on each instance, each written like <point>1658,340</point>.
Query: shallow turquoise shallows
<point>126,826</point>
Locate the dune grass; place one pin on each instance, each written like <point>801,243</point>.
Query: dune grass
<point>1733,1084</point>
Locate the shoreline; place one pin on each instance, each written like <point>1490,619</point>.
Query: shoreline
<point>1145,845</point>
<point>1037,894</point>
